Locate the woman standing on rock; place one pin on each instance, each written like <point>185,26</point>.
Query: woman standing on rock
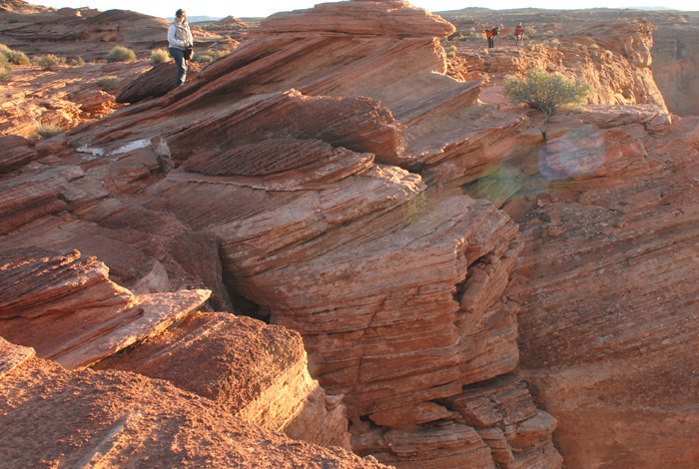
<point>181,42</point>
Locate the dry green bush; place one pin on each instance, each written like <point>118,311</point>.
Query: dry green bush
<point>43,131</point>
<point>546,92</point>
<point>76,62</point>
<point>110,82</point>
<point>16,57</point>
<point>48,62</point>
<point>159,56</point>
<point>5,74</point>
<point>209,55</point>
<point>121,54</point>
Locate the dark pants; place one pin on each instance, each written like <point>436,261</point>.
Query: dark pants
<point>491,42</point>
<point>178,55</point>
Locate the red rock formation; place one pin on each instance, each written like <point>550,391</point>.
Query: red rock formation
<point>259,372</point>
<point>319,235</point>
<point>608,316</point>
<point>64,98</point>
<point>70,312</point>
<point>287,168</point>
<point>59,417</point>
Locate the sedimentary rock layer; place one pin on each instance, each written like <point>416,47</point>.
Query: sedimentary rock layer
<point>55,416</point>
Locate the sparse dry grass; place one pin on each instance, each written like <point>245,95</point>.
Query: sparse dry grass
<point>44,131</point>
<point>5,74</point>
<point>159,56</point>
<point>121,54</point>
<point>48,62</point>
<point>110,82</point>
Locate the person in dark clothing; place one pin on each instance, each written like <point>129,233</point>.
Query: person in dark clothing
<point>490,35</point>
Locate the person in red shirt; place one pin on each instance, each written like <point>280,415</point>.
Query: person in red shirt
<point>490,35</point>
<point>519,32</point>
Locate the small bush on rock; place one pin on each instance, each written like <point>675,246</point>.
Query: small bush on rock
<point>209,55</point>
<point>546,92</point>
<point>110,82</point>
<point>159,56</point>
<point>121,54</point>
<point>5,74</point>
<point>48,62</point>
<point>43,131</point>
<point>16,57</point>
<point>202,57</point>
<point>79,62</point>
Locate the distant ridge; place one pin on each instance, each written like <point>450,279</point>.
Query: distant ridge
<point>477,10</point>
<point>198,19</point>
<point>653,8</point>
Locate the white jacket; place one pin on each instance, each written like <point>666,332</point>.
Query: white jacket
<point>179,35</point>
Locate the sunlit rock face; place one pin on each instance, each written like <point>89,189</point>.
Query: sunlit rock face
<point>419,233</point>
<point>113,419</point>
<point>279,180</point>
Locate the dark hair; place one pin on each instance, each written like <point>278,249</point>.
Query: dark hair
<point>180,12</point>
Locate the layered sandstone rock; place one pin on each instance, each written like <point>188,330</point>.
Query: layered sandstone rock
<point>608,320</point>
<point>314,179</point>
<point>285,164</point>
<point>612,56</point>
<point>68,310</point>
<point>63,99</point>
<point>258,372</point>
<point>605,207</point>
<point>56,416</point>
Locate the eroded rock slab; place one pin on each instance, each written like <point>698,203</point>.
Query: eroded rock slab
<point>67,309</point>
<point>257,371</point>
<point>55,416</point>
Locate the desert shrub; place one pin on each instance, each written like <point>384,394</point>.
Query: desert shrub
<point>16,57</point>
<point>546,92</point>
<point>110,82</point>
<point>121,54</point>
<point>609,54</point>
<point>474,37</point>
<point>554,43</point>
<point>530,31</point>
<point>14,21</point>
<point>79,62</point>
<point>47,131</point>
<point>5,74</point>
<point>48,62</point>
<point>159,56</point>
<point>202,57</point>
<point>593,46</point>
<point>209,55</point>
<point>217,54</point>
<point>451,54</point>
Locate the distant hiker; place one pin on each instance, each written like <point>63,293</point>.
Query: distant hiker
<point>519,32</point>
<point>181,44</point>
<point>490,35</point>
